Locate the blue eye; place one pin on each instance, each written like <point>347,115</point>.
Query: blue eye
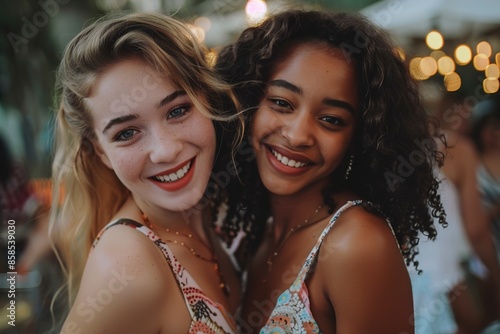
<point>125,135</point>
<point>179,111</point>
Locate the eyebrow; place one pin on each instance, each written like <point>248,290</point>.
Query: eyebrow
<point>287,85</point>
<point>340,104</point>
<point>297,90</point>
<point>126,118</point>
<point>119,120</point>
<point>169,98</point>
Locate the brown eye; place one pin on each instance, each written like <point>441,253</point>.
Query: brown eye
<point>280,104</point>
<point>333,120</point>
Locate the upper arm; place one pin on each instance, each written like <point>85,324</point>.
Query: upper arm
<point>366,281</point>
<point>120,286</point>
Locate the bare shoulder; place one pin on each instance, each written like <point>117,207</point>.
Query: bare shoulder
<point>124,248</point>
<point>360,244</point>
<point>359,233</point>
<point>361,268</point>
<point>126,277</point>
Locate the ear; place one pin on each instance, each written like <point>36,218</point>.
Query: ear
<point>100,153</point>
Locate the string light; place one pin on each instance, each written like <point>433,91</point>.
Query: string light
<point>436,54</point>
<point>452,82</point>
<point>434,40</point>
<point>428,66</point>
<point>415,70</point>
<point>446,65</point>
<point>491,85</point>
<point>256,11</point>
<point>481,61</point>
<point>492,71</point>
<point>463,54</point>
<point>483,48</point>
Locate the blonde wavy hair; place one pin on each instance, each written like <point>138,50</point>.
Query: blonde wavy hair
<point>88,193</point>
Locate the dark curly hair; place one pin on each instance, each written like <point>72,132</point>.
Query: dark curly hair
<point>395,153</point>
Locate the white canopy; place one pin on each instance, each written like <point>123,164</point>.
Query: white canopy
<point>453,18</point>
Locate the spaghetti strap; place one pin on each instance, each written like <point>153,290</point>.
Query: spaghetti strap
<point>312,254</point>
<point>204,312</point>
<point>292,313</point>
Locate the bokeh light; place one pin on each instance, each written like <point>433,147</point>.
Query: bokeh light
<point>491,85</point>
<point>428,66</point>
<point>434,40</point>
<point>446,65</point>
<point>452,82</point>
<point>463,54</point>
<point>483,48</point>
<point>481,61</point>
<point>256,11</point>
<point>492,71</point>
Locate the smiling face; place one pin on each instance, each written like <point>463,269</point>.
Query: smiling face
<point>151,134</point>
<point>304,125</point>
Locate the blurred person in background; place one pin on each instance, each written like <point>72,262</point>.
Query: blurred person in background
<point>485,133</point>
<point>446,296</point>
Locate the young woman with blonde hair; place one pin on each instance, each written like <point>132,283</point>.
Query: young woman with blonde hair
<point>143,143</point>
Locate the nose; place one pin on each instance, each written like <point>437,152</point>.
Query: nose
<point>298,130</point>
<point>164,147</point>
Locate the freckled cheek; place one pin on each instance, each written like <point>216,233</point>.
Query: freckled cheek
<point>126,169</point>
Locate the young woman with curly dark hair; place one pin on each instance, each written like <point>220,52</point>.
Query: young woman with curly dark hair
<point>339,154</point>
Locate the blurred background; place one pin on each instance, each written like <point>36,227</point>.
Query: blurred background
<point>453,47</point>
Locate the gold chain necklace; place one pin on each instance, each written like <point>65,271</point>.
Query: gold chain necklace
<point>306,223</point>
<point>213,259</point>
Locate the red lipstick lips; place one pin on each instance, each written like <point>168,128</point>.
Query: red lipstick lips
<point>175,178</point>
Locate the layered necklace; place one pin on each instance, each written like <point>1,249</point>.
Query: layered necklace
<point>212,259</point>
<point>307,222</point>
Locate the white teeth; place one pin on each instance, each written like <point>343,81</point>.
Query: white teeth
<point>287,161</point>
<point>174,176</point>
